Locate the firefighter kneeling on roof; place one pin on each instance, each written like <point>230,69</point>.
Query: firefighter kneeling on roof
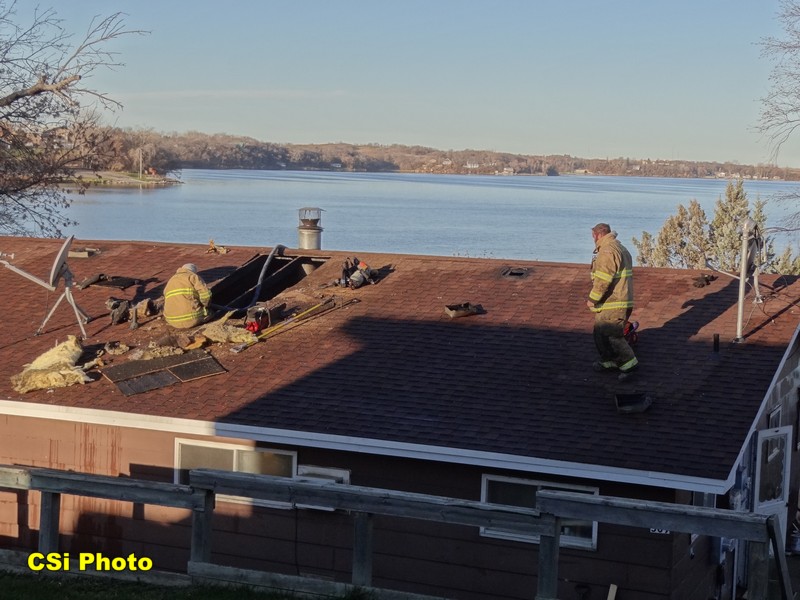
<point>186,298</point>
<point>611,299</point>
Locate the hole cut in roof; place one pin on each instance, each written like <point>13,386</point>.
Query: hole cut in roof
<point>240,288</point>
<point>515,272</point>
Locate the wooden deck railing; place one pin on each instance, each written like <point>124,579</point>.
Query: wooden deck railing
<point>363,502</point>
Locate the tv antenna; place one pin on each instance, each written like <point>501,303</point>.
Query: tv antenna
<point>58,271</point>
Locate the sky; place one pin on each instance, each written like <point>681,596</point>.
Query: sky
<point>640,79</point>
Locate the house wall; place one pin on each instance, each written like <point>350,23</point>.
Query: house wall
<point>784,395</point>
<point>415,556</point>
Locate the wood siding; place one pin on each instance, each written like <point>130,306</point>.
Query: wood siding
<point>414,556</point>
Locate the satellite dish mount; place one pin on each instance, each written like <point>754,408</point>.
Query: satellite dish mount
<point>59,270</point>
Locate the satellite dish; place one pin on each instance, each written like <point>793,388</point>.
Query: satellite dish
<point>57,271</point>
<point>60,263</point>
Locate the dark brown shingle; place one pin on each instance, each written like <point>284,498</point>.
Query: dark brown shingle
<point>512,384</point>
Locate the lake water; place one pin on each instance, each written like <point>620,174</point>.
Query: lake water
<point>542,218</point>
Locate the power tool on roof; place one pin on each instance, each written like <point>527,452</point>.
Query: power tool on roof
<point>629,332</point>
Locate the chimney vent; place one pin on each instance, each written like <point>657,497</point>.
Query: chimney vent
<point>309,231</point>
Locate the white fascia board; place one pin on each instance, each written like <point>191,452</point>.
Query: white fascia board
<point>364,445</point>
<point>112,418</point>
<point>475,458</point>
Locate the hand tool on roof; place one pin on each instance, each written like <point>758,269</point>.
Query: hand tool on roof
<point>298,317</point>
<point>311,317</point>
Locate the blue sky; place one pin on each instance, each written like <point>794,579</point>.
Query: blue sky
<point>673,80</point>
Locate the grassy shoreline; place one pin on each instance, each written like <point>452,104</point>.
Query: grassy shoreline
<point>116,179</point>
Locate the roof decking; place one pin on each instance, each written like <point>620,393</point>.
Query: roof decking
<point>394,368</point>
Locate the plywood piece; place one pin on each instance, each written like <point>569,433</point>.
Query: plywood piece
<point>145,383</point>
<point>135,368</point>
<point>197,369</point>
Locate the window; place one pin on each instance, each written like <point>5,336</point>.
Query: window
<point>315,473</point>
<point>522,492</point>
<point>194,454</point>
<point>322,475</point>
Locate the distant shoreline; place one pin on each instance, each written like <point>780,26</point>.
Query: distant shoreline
<point>112,179</point>
<point>85,178</point>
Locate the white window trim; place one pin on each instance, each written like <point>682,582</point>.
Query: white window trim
<point>329,475</point>
<point>224,497</point>
<point>566,541</point>
<point>322,474</point>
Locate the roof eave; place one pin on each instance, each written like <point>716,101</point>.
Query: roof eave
<point>791,348</point>
<point>366,446</point>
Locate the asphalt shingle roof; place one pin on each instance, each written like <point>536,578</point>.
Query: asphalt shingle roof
<point>515,380</point>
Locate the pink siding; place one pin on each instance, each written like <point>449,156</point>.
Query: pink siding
<point>416,556</point>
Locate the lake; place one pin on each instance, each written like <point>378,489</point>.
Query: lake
<point>542,218</point>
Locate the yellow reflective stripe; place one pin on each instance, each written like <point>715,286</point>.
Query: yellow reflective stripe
<point>595,296</point>
<point>203,296</point>
<point>629,365</point>
<point>178,292</point>
<point>184,317</point>
<point>613,305</point>
<point>604,276</point>
<point>624,274</point>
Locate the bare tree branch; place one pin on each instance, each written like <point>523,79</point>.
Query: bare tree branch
<point>46,130</point>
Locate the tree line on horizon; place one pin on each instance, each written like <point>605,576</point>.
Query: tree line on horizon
<point>51,125</point>
<point>128,150</point>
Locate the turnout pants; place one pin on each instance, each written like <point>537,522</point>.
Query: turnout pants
<point>613,348</point>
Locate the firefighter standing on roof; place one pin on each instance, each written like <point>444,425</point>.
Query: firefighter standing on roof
<point>611,299</point>
<point>186,297</point>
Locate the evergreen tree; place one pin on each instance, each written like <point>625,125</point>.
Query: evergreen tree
<point>682,241</point>
<point>786,263</point>
<point>688,240</point>
<point>725,231</point>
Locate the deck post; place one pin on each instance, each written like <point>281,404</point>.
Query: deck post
<point>201,528</point>
<point>49,517</point>
<point>362,549</point>
<point>548,560</point>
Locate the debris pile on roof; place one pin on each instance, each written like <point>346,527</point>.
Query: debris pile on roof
<point>223,332</point>
<point>55,368</point>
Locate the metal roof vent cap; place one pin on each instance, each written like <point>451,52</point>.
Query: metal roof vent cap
<point>309,231</point>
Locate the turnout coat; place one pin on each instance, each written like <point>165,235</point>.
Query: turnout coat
<point>186,297</point>
<point>612,275</point>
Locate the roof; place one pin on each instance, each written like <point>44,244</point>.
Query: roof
<point>393,374</point>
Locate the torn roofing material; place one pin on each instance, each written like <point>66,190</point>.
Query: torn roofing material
<point>394,374</point>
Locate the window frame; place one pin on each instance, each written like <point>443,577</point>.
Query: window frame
<point>566,541</point>
<point>179,442</point>
<point>328,475</point>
